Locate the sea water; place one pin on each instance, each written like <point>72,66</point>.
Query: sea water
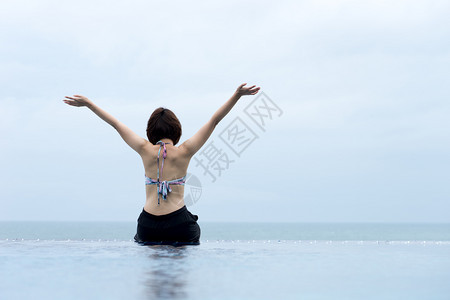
<point>234,261</point>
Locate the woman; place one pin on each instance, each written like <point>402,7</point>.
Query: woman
<point>165,218</point>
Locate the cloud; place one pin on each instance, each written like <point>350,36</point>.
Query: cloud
<point>362,86</point>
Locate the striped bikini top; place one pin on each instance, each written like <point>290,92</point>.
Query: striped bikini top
<point>163,187</point>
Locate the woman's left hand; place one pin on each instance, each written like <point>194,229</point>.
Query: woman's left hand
<point>78,100</point>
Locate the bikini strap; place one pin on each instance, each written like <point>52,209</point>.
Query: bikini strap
<point>161,145</point>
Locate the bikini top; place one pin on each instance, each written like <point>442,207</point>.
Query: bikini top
<point>163,187</point>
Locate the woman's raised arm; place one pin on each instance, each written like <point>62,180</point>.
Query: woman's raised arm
<point>132,139</point>
<point>192,145</point>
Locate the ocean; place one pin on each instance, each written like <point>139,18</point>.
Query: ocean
<point>70,260</point>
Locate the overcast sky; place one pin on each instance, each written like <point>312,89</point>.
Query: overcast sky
<point>360,92</point>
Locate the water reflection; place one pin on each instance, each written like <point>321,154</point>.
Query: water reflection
<point>167,275</point>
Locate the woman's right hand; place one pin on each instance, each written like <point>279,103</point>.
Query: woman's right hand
<point>78,100</point>
<point>242,90</point>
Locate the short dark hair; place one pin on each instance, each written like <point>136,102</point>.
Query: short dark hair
<point>163,124</point>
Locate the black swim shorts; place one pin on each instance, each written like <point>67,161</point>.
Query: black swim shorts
<point>177,228</point>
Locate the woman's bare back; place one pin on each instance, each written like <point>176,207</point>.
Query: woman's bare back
<point>175,167</point>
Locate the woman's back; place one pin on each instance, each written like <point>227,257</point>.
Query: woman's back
<point>174,166</point>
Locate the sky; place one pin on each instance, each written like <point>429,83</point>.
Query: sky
<point>354,99</point>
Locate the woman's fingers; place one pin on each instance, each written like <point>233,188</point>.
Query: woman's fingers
<point>241,87</point>
<point>76,97</point>
<point>73,98</point>
<point>76,100</point>
<point>254,91</point>
<point>251,90</point>
<point>72,102</point>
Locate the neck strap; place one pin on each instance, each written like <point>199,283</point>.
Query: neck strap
<point>163,146</point>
